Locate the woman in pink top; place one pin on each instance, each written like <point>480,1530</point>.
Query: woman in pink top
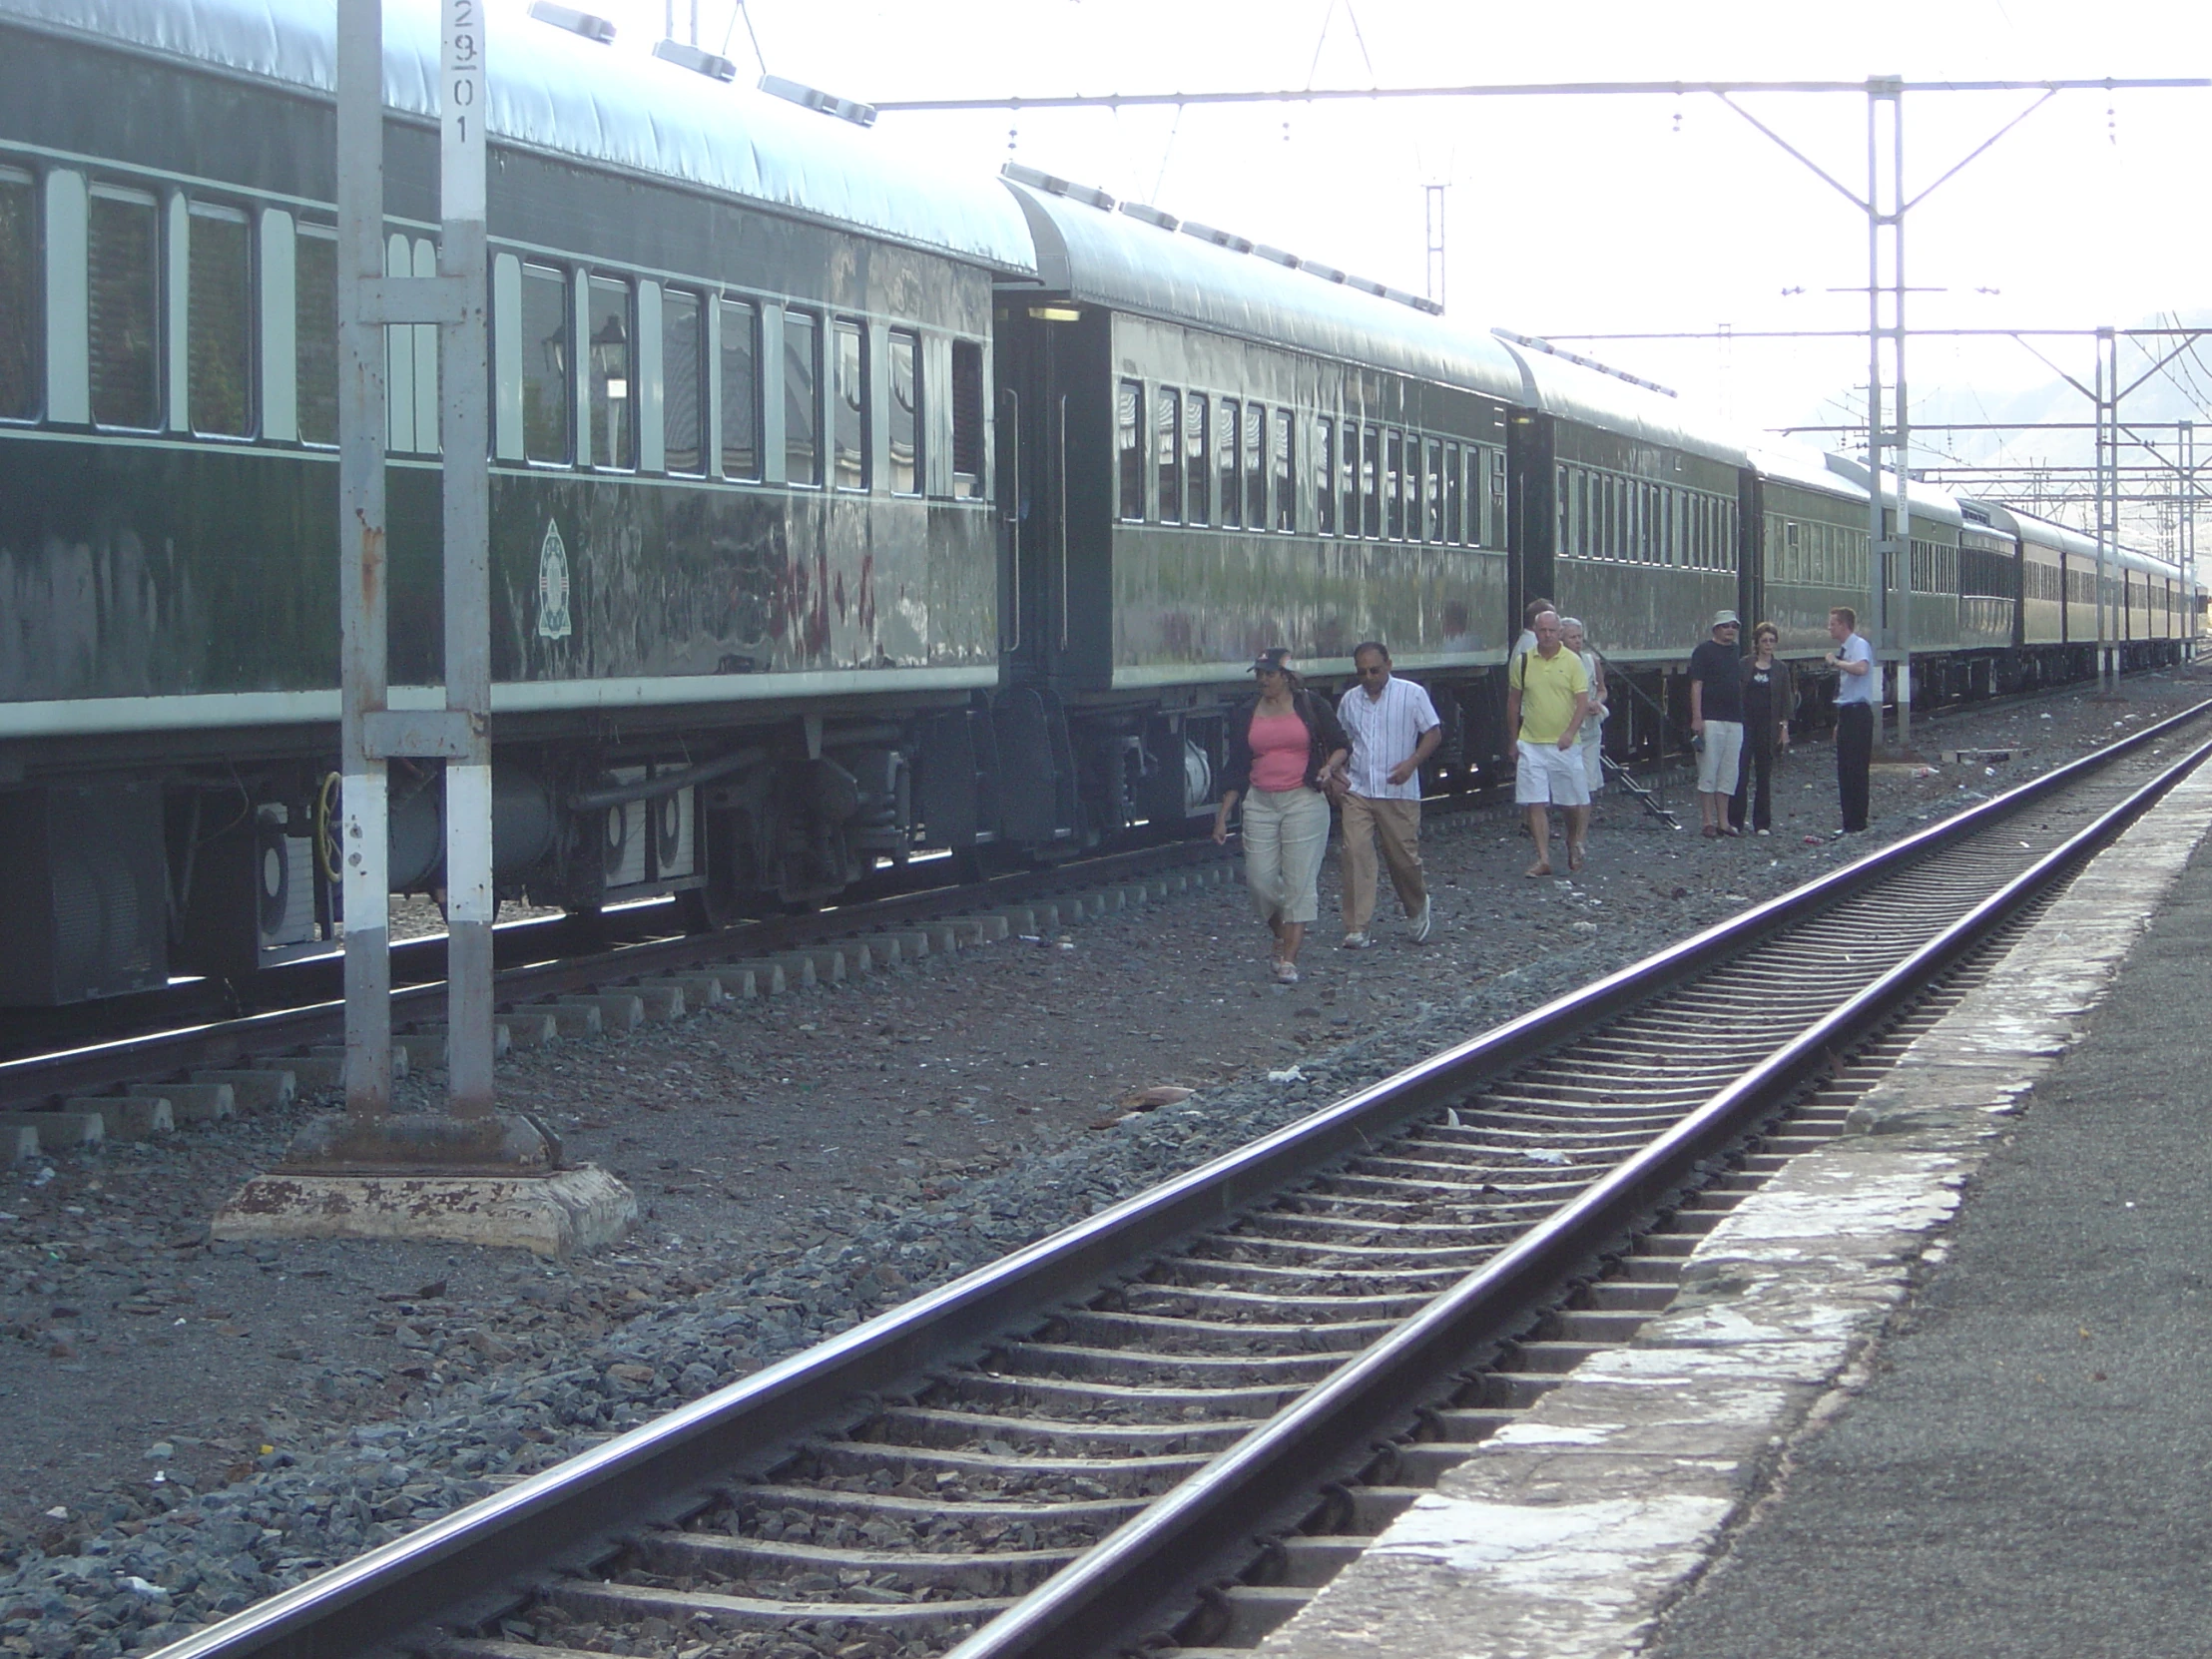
<point>1283,747</point>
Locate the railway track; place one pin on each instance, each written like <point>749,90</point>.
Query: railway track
<point>1070,1450</point>
<point>548,972</point>
<point>55,1054</point>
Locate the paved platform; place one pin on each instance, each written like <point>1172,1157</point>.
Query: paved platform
<point>1883,1418</point>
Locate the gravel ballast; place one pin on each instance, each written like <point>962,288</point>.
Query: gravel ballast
<point>197,1425</point>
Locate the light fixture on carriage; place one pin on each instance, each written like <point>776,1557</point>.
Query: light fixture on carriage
<point>610,360</point>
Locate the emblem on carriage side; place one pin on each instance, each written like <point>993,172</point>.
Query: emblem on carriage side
<point>553,621</point>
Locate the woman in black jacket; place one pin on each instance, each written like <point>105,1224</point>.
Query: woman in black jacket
<point>1284,748</point>
<point>1770,699</point>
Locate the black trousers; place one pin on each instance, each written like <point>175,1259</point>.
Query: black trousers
<point>1854,753</point>
<point>1755,782</point>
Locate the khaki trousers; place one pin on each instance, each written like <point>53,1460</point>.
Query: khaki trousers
<point>1397,825</point>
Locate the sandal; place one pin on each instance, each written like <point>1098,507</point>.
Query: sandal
<point>1286,973</point>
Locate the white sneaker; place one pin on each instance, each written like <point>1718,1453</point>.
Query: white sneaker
<point>1355,942</point>
<point>1417,923</point>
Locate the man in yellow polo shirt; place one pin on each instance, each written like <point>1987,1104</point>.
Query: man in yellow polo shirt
<point>1547,693</point>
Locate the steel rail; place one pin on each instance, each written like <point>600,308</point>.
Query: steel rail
<point>1104,1598</point>
<point>468,1563</point>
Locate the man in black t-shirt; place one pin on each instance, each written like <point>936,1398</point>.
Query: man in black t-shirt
<point>1716,717</point>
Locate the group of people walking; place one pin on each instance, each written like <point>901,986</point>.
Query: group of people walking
<point>1292,753</point>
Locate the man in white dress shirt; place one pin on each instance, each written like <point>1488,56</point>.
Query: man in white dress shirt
<point>1394,729</point>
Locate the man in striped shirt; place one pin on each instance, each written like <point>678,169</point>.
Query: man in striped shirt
<point>1394,729</point>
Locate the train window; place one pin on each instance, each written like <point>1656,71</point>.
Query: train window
<point>1198,461</point>
<point>801,399</point>
<point>850,435</point>
<point>1325,476</point>
<point>315,332</point>
<point>1167,421</point>
<point>1371,478</point>
<point>1479,478</point>
<point>123,272</point>
<point>739,376</point>
<point>20,340</point>
<point>1228,444</point>
<point>967,418</point>
<point>1129,442</point>
<point>906,411</point>
<point>1498,497</point>
<point>608,329</point>
<point>1452,520</point>
<point>1415,518</point>
<point>1647,544</point>
<point>1286,474</point>
<point>1432,493</point>
<point>219,301</point>
<point>1348,477</point>
<point>545,352</point>
<point>1256,466</point>
<point>1394,483</point>
<point>683,356</point>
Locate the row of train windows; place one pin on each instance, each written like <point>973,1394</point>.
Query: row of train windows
<point>2041,582</point>
<point>1935,568</point>
<point>707,373</point>
<point>121,233</point>
<point>1984,573</point>
<point>711,378</point>
<point>1222,461</point>
<point>1821,555</point>
<point>1603,515</point>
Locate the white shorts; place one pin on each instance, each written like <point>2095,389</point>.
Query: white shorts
<point>1592,745</point>
<point>1721,757</point>
<point>1550,774</point>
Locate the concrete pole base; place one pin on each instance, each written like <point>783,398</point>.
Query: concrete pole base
<point>559,1213</point>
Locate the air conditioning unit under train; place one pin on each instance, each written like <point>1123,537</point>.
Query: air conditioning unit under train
<point>625,832</point>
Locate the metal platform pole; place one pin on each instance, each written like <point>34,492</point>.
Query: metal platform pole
<point>1887,533</point>
<point>1903,425</point>
<point>1433,200</point>
<point>2107,506</point>
<point>2185,527</point>
<point>363,849</point>
<point>464,392</point>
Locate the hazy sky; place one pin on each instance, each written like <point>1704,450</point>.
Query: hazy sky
<point>1584,214</point>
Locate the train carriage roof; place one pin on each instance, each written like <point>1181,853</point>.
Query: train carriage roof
<point>1929,503</point>
<point>1806,469</point>
<point>1572,392</point>
<point>1109,258</point>
<point>555,92</point>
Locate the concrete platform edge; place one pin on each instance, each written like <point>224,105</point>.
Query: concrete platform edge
<point>1570,1533</point>
<point>563,1214</point>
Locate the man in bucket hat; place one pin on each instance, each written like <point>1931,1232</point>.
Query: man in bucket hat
<point>1717,720</point>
